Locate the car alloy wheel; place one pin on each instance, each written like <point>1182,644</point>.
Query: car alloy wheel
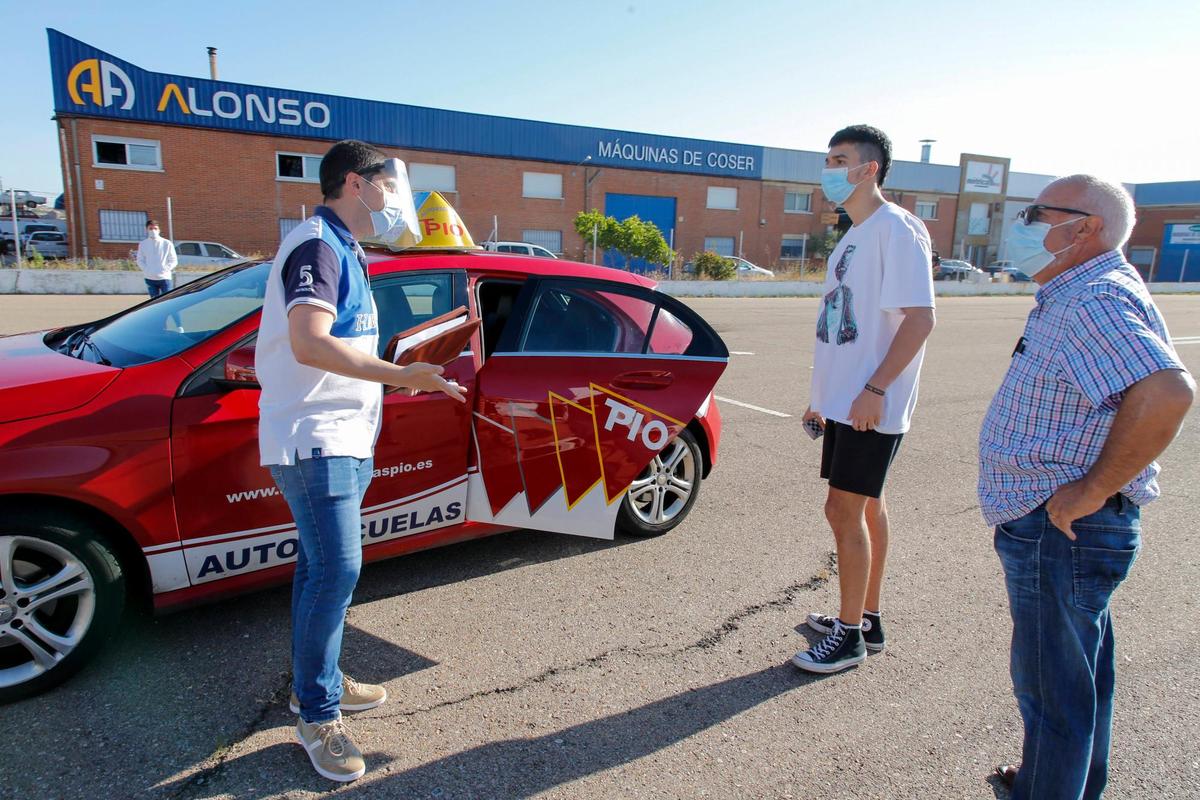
<point>662,495</point>
<point>61,594</point>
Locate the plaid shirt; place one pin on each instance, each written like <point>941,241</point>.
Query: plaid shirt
<point>1094,332</point>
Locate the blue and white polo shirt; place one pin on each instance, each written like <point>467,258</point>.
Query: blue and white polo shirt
<point>306,412</point>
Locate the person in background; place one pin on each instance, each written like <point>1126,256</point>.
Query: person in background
<point>157,259</point>
<point>1094,393</point>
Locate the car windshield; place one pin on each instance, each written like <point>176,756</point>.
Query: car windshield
<point>171,323</point>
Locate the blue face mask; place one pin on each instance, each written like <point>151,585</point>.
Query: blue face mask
<point>836,185</point>
<point>1027,245</point>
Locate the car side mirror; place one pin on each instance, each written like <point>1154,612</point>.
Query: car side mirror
<point>239,369</point>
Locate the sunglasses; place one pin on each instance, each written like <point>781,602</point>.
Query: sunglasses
<point>1031,214</point>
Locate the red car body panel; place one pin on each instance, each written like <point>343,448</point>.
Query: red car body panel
<point>178,470</point>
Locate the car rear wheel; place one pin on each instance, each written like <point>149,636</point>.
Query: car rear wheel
<point>664,493</point>
<point>61,595</point>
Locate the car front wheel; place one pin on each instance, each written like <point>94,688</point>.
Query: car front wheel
<point>664,493</point>
<point>61,595</point>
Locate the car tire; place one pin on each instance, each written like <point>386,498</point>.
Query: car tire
<point>657,501</point>
<point>49,632</point>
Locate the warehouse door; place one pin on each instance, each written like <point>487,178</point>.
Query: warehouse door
<point>659,210</point>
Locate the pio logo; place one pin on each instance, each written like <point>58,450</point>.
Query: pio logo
<point>103,82</point>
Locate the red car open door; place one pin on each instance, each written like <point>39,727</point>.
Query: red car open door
<point>589,381</point>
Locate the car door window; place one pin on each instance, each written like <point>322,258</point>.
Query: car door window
<point>188,249</point>
<point>596,320</point>
<point>405,301</point>
<point>215,251</point>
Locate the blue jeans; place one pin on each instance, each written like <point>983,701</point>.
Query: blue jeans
<point>325,496</point>
<point>155,288</point>
<point>1063,662</point>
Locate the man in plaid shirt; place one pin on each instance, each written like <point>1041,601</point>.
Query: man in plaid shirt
<point>1094,394</point>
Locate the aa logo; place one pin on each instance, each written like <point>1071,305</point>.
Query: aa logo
<point>102,81</point>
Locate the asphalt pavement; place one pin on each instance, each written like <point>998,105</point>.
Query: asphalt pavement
<point>537,665</point>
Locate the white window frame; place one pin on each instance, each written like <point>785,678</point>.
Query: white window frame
<point>533,240</point>
<point>287,225</point>
<point>802,193</point>
<point>920,202</point>
<point>532,193</point>
<point>302,156</point>
<point>139,234</point>
<point>721,190</point>
<point>417,185</point>
<point>99,137</point>
<point>803,237</point>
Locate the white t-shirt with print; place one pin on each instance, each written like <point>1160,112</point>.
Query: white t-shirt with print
<point>880,266</point>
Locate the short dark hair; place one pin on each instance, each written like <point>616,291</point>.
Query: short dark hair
<point>348,155</point>
<point>150,222</point>
<point>871,143</point>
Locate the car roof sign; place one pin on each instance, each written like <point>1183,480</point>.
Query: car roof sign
<point>440,227</point>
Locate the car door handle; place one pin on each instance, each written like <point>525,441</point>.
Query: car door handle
<point>644,379</point>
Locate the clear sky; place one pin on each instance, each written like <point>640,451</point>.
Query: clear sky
<point>1059,86</point>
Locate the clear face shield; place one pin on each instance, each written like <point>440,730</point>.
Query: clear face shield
<point>395,223</point>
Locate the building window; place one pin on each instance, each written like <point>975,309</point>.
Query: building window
<point>543,185</point>
<point>721,245</point>
<point>722,197</point>
<point>286,226</point>
<point>122,226</point>
<point>298,167</point>
<point>797,202</point>
<point>432,178</point>
<point>927,209</point>
<point>115,152</point>
<point>551,240</point>
<point>794,248</point>
<point>979,220</point>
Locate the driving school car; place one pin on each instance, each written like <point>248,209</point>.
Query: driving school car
<point>129,464</point>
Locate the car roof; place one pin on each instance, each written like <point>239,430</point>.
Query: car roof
<point>385,262</point>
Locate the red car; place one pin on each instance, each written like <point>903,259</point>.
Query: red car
<point>129,456</point>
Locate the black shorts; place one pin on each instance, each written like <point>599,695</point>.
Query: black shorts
<point>857,461</point>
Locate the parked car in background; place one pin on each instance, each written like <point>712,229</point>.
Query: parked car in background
<point>50,244</point>
<point>747,270</point>
<point>1014,275</point>
<point>997,266</point>
<point>953,269</point>
<point>205,254</point>
<point>519,248</point>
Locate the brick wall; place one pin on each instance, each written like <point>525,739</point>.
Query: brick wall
<point>223,188</point>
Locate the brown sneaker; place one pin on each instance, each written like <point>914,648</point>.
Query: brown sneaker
<point>329,748</point>
<point>355,696</point>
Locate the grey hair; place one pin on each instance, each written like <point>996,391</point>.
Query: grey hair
<point>1109,201</point>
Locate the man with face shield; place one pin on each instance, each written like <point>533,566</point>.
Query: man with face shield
<point>319,418</point>
<point>1094,392</point>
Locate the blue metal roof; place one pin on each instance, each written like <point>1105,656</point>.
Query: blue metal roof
<point>1175,193</point>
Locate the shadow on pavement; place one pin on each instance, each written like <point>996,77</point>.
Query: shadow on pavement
<point>187,685</point>
<point>520,768</point>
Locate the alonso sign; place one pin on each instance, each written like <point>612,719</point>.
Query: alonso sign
<point>90,82</point>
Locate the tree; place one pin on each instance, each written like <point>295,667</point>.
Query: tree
<point>632,238</point>
<point>714,267</point>
<point>821,245</point>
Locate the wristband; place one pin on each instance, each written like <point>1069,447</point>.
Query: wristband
<point>874,390</point>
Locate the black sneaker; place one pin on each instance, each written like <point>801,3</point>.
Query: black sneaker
<point>872,628</point>
<point>842,648</point>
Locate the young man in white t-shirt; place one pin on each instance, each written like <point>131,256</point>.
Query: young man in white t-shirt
<point>874,318</point>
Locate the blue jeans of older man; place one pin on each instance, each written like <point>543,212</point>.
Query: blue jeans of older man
<point>1063,661</point>
<point>325,495</point>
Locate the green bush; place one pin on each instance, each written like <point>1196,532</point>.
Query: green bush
<point>36,261</point>
<point>714,267</point>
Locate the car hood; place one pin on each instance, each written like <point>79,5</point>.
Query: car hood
<point>36,380</point>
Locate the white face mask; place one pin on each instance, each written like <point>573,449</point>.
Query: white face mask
<point>388,217</point>
<point>154,233</point>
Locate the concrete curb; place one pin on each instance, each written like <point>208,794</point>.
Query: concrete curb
<point>77,281</point>
<point>811,289</point>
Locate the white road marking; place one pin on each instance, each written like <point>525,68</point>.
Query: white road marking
<point>739,353</point>
<point>1186,340</point>
<point>752,408</point>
